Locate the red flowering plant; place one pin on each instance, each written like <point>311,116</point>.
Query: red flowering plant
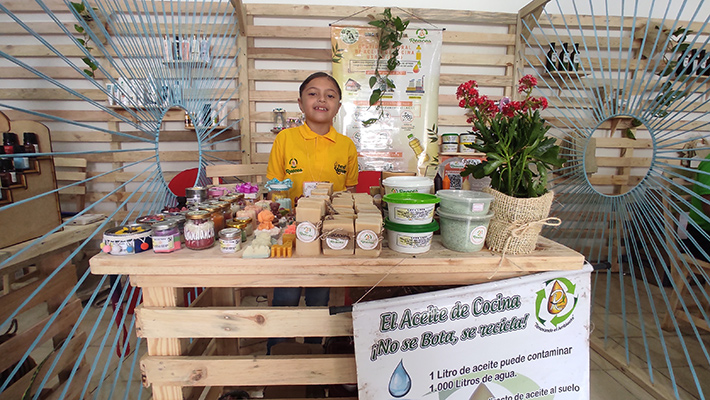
<point>512,134</point>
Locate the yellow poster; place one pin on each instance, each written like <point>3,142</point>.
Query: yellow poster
<point>403,138</point>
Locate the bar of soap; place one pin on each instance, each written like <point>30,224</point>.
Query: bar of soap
<point>319,192</point>
<point>308,213</point>
<point>320,197</point>
<point>367,238</point>
<point>325,185</point>
<point>305,201</point>
<point>339,240</point>
<point>308,243</point>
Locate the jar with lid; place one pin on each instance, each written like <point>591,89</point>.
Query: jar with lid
<point>166,236</point>
<point>179,219</point>
<point>249,225</point>
<point>195,195</point>
<point>242,226</point>
<point>225,208</point>
<point>230,240</point>
<point>199,230</point>
<point>216,216</point>
<point>233,200</point>
<point>279,192</point>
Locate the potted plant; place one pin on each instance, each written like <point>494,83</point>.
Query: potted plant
<point>519,154</point>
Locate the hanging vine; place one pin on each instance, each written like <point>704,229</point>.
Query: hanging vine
<point>390,39</point>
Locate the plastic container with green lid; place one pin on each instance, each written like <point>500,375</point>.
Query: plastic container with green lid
<point>410,239</point>
<point>411,208</point>
<point>450,138</point>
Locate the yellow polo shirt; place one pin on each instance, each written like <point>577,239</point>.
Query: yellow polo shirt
<point>302,155</point>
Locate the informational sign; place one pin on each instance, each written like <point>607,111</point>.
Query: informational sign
<point>403,138</point>
<point>515,339</point>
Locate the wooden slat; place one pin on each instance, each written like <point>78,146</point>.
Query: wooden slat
<point>252,370</point>
<point>70,176</point>
<point>220,322</point>
<point>222,170</point>
<point>59,285</point>
<point>69,162</point>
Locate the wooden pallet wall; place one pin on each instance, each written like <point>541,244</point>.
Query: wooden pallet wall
<point>286,43</point>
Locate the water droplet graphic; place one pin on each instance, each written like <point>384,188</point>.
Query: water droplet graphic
<point>400,382</point>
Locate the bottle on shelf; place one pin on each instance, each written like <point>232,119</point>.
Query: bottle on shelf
<point>30,138</point>
<point>185,49</point>
<point>703,63</point>
<point>575,57</point>
<point>563,59</point>
<point>9,140</point>
<point>195,49</point>
<point>205,50</point>
<point>8,174</point>
<point>176,49</point>
<point>551,59</point>
<point>687,63</point>
<point>167,50</point>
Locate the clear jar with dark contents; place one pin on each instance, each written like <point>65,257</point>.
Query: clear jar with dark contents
<point>166,236</point>
<point>199,230</point>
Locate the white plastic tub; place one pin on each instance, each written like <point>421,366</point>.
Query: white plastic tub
<point>408,184</point>
<point>462,232</point>
<point>410,239</point>
<point>465,202</point>
<point>410,208</point>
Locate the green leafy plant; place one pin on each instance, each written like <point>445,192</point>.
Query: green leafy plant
<point>389,41</point>
<point>512,134</point>
<point>83,11</point>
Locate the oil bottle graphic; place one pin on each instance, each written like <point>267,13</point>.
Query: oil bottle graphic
<point>418,65</point>
<point>416,145</point>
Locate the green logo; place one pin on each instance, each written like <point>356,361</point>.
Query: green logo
<point>555,303</point>
<point>294,167</point>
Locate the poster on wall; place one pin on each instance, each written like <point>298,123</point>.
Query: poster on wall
<point>403,138</point>
<point>515,339</point>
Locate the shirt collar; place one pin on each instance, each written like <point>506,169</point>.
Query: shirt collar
<point>308,134</point>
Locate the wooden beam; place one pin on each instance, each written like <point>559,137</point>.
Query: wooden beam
<point>243,322</point>
<point>252,370</point>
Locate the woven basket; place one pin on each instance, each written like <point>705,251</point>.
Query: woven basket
<point>512,213</point>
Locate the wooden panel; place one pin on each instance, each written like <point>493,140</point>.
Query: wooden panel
<point>251,370</point>
<point>61,283</point>
<point>235,170</point>
<point>216,322</point>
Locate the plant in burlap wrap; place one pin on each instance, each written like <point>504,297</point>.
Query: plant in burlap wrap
<point>512,134</point>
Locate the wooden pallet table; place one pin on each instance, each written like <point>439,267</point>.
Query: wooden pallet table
<point>172,366</point>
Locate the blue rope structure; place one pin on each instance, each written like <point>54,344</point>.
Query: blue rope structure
<point>152,57</point>
<point>645,68</point>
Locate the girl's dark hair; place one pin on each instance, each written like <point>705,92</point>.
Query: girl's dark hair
<point>319,75</point>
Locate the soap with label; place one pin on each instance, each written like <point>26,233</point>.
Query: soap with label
<point>308,243</point>
<point>368,233</point>
<point>339,240</point>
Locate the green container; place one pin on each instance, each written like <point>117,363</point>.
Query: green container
<point>410,208</point>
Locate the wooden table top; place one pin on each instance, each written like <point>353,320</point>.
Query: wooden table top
<point>439,266</point>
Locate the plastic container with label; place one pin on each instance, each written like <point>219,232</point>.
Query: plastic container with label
<point>408,184</point>
<point>410,208</point>
<point>410,239</point>
<point>450,138</point>
<point>166,236</point>
<point>465,202</point>
<point>463,233</point>
<point>449,147</point>
<point>230,240</point>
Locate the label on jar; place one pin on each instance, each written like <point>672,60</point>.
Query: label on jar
<point>163,243</point>
<point>478,235</point>
<point>367,239</point>
<point>306,232</point>
<point>414,242</point>
<point>449,147</point>
<point>229,245</point>
<point>477,207</point>
<point>414,214</point>
<point>337,243</point>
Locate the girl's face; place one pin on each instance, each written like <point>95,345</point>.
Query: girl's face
<point>320,101</point>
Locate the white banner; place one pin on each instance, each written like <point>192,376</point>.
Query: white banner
<point>516,339</point>
<point>403,139</point>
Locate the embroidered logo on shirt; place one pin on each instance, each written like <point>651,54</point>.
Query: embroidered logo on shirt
<point>340,169</point>
<point>294,167</point>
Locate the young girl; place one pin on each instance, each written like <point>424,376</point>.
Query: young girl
<point>313,152</point>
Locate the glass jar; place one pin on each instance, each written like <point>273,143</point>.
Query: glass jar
<point>249,228</point>
<point>233,200</point>
<point>179,219</point>
<point>166,236</point>
<point>216,215</point>
<point>199,230</point>
<point>195,195</point>
<point>242,226</point>
<point>215,192</point>
<point>230,240</point>
<point>225,208</point>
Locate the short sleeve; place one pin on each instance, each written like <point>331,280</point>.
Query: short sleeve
<point>703,178</point>
<point>276,167</point>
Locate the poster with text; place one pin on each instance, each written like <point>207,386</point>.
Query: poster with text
<point>404,136</point>
<point>515,339</point>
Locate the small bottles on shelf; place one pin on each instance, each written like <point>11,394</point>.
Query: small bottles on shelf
<point>186,49</point>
